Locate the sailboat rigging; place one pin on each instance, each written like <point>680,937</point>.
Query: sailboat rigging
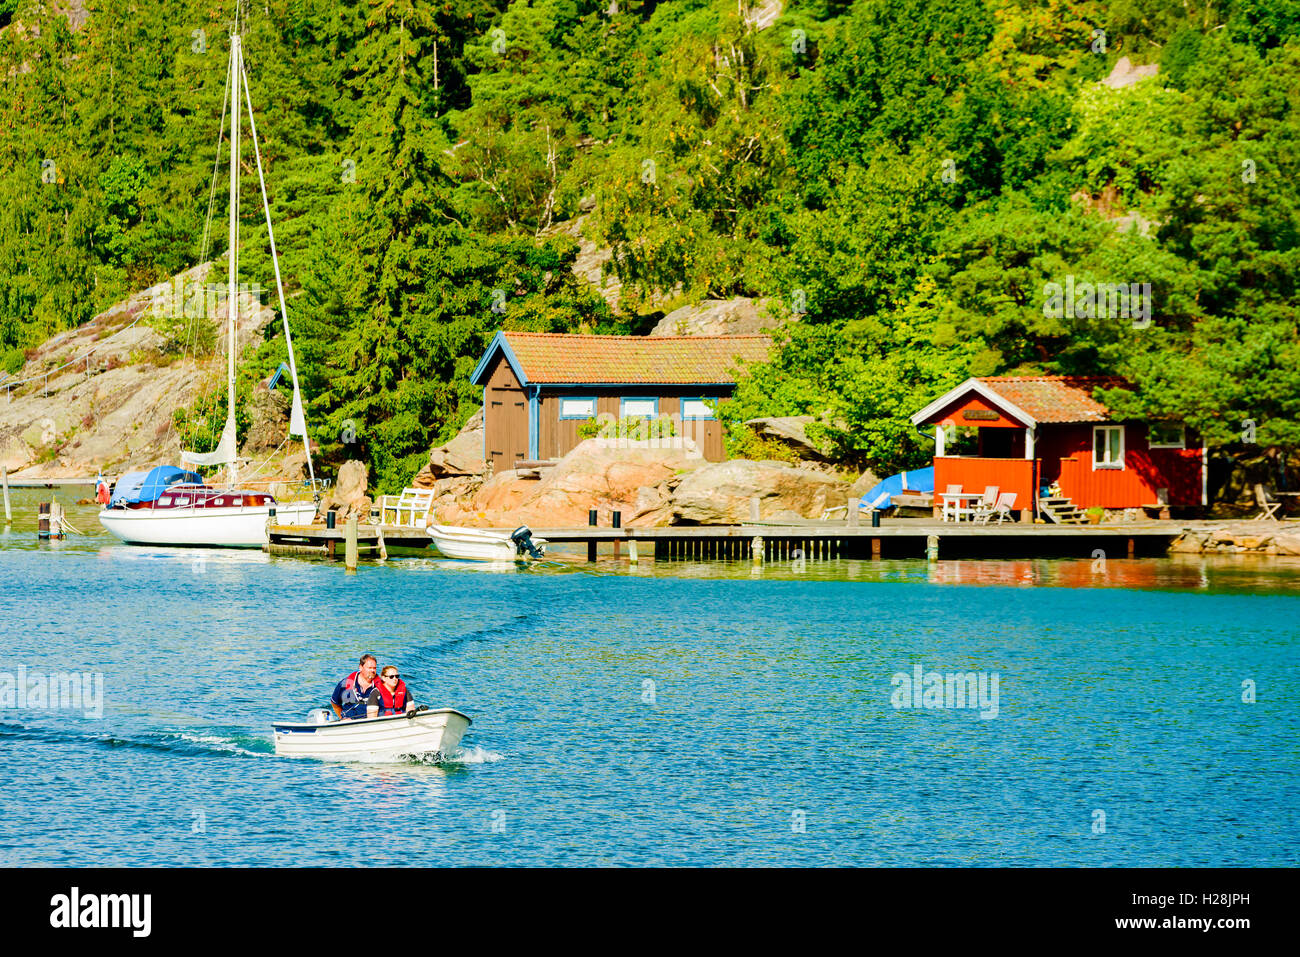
<point>173,506</point>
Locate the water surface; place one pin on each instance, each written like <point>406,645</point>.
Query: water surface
<point>697,714</point>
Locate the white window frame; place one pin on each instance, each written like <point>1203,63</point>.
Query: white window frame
<point>1153,444</point>
<point>623,412</point>
<point>1093,451</point>
<point>707,415</point>
<point>576,398</point>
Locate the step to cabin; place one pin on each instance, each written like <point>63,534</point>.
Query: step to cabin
<point>1062,511</point>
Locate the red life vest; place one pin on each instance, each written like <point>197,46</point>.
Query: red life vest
<point>393,702</point>
<point>352,683</point>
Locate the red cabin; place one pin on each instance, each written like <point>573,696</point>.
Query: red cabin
<point>1036,432</point>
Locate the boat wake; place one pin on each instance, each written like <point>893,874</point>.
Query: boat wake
<point>173,742</point>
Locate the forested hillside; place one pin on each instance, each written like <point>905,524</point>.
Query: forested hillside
<point>903,178</point>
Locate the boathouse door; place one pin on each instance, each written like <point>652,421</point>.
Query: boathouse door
<point>505,419</point>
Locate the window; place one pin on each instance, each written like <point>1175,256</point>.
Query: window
<point>1167,435</point>
<point>697,409</point>
<point>577,408</point>
<point>638,408</point>
<point>1108,447</point>
<point>165,500</point>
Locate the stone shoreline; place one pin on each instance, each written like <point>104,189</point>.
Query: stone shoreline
<point>1240,537</point>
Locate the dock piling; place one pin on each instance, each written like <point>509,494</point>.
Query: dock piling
<point>631,551</point>
<point>4,480</point>
<point>591,545</point>
<point>756,548</point>
<point>932,548</point>
<point>43,521</point>
<point>350,554</point>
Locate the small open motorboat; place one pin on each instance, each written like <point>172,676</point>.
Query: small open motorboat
<point>389,738</point>
<point>487,544</point>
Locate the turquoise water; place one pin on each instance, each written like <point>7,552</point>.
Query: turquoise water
<point>767,738</point>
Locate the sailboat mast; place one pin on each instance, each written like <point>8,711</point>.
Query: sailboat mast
<point>232,299</point>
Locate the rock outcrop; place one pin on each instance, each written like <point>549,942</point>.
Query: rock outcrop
<point>104,394</point>
<point>348,496</point>
<point>717,317</point>
<point>604,474</point>
<point>460,458</point>
<point>720,493</point>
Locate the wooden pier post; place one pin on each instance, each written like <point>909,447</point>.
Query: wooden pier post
<point>591,545</point>
<point>1132,547</point>
<point>4,480</point>
<point>383,549</point>
<point>875,549</point>
<point>756,548</point>
<point>56,520</point>
<point>43,521</point>
<point>350,552</point>
<point>631,551</point>
<point>932,547</point>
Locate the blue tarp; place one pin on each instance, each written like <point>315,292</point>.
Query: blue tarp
<point>880,497</point>
<point>147,486</point>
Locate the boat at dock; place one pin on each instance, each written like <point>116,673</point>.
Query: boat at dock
<point>418,733</point>
<point>170,506</point>
<point>173,506</point>
<point>487,544</point>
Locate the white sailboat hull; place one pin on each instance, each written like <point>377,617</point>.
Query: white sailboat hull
<point>478,544</point>
<point>374,739</point>
<point>237,527</point>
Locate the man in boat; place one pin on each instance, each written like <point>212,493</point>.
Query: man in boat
<point>394,696</point>
<point>356,695</point>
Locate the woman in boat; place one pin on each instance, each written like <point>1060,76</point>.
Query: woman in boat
<point>394,696</point>
<point>357,696</point>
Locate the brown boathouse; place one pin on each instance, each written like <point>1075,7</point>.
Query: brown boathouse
<point>540,388</point>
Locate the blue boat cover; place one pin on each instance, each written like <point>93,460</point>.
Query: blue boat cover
<point>880,497</point>
<point>146,486</point>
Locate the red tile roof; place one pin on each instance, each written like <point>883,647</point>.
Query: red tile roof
<point>1056,398</point>
<point>548,357</point>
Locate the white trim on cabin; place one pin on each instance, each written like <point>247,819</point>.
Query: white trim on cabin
<point>1108,462</point>
<point>974,385</point>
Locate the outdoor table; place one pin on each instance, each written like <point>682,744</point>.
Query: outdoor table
<point>957,498</point>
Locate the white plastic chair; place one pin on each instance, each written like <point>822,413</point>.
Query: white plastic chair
<point>1002,509</point>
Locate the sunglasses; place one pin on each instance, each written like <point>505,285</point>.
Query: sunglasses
<point>394,675</point>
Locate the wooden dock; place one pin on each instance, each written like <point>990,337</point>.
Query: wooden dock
<point>317,540</point>
<point>899,538</point>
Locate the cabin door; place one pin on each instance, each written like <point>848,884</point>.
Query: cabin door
<point>505,423</point>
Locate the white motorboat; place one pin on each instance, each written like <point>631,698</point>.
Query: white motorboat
<point>390,738</point>
<point>172,506</point>
<point>487,544</point>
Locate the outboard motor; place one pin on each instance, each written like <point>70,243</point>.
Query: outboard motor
<point>523,539</point>
<point>320,716</point>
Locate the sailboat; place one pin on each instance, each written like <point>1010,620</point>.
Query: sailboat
<point>174,506</point>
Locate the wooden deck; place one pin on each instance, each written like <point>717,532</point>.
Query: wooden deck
<point>897,538</point>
